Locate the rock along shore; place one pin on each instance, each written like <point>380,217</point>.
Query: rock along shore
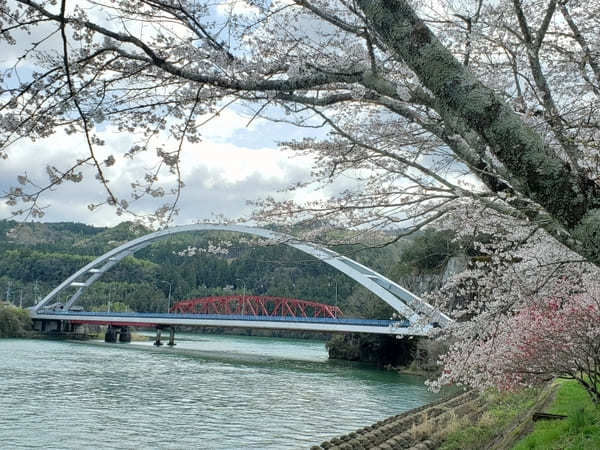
<point>414,429</point>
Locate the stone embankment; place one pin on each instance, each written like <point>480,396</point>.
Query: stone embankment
<point>431,425</point>
<point>414,429</point>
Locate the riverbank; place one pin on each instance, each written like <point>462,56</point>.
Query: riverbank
<point>579,430</point>
<point>491,420</point>
<point>409,429</point>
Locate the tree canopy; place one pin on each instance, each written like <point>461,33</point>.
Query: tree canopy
<point>414,96</point>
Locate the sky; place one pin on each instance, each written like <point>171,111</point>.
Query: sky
<point>234,163</point>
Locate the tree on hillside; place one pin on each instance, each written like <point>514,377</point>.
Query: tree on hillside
<point>413,97</point>
<point>428,252</point>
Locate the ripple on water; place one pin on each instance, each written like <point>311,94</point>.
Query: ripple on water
<point>211,392</point>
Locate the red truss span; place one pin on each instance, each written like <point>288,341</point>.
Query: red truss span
<point>254,305</point>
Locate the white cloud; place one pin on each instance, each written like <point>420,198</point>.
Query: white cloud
<point>220,176</point>
<point>235,164</point>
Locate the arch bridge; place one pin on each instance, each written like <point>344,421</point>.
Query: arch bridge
<point>419,316</point>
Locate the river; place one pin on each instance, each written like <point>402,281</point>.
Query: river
<point>209,391</point>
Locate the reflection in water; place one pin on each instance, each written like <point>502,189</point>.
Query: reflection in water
<point>208,392</point>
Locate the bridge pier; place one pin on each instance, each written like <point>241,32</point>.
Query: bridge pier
<point>110,335</point>
<point>157,341</point>
<point>120,334</point>
<point>47,326</point>
<point>125,335</point>
<point>171,337</point>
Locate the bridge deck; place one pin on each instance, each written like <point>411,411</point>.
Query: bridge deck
<point>343,325</point>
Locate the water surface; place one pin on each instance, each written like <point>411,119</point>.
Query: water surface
<point>208,392</point>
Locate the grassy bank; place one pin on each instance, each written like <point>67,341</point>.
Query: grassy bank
<point>498,412</point>
<point>581,430</point>
<point>14,322</point>
<point>506,417</point>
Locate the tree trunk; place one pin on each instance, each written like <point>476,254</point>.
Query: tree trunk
<point>542,176</point>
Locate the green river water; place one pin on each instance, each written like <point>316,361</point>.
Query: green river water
<point>213,392</point>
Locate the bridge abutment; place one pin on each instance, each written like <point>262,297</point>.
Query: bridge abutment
<point>64,329</point>
<point>47,326</point>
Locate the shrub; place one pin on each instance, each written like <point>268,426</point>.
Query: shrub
<point>14,322</point>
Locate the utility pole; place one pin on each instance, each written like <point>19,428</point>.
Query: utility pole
<point>169,301</point>
<point>8,291</point>
<point>336,298</point>
<point>36,293</point>
<point>109,292</point>
<point>243,297</point>
<point>170,285</point>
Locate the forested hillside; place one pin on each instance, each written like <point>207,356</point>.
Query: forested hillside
<point>36,257</point>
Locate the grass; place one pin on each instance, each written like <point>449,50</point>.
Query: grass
<point>500,410</point>
<point>422,430</point>
<point>581,430</point>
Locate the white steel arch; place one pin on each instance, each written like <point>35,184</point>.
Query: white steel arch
<point>404,302</point>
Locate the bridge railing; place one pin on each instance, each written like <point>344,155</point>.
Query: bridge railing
<point>403,323</point>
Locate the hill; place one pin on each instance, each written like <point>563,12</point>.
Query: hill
<point>35,257</point>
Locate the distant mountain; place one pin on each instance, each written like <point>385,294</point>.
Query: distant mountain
<point>45,233</point>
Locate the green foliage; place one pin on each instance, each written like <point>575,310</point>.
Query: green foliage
<point>14,322</point>
<point>114,307</point>
<point>343,346</point>
<point>427,252</point>
<point>29,265</point>
<point>588,233</point>
<point>581,430</point>
<point>58,236</point>
<point>427,355</point>
<point>142,297</point>
<point>365,304</point>
<point>501,409</point>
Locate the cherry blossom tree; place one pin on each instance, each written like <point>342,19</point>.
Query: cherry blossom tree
<point>525,308</point>
<point>425,104</point>
<point>551,337</point>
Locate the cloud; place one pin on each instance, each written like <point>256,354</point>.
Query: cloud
<point>220,176</point>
